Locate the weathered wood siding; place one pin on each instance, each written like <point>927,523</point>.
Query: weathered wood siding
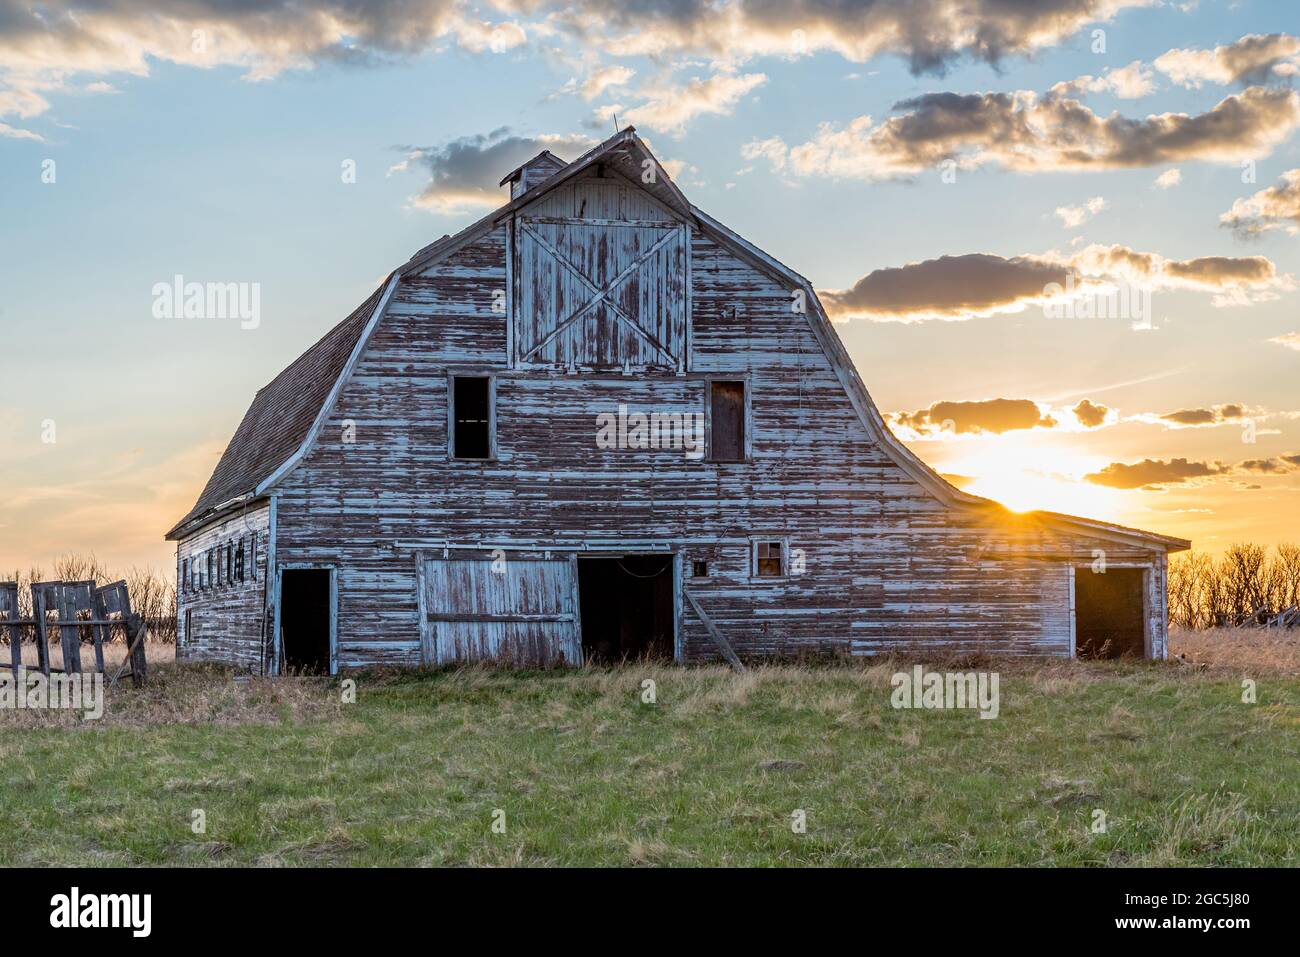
<point>883,563</point>
<point>480,608</point>
<point>225,616</point>
<point>600,281</point>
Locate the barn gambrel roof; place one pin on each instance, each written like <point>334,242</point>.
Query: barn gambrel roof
<point>280,426</point>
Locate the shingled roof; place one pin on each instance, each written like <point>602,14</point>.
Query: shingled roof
<point>280,416</point>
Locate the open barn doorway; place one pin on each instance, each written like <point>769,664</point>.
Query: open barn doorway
<point>1110,613</point>
<point>628,608</point>
<point>306,621</point>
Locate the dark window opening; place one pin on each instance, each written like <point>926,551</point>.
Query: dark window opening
<point>699,568</point>
<point>230,564</point>
<point>1109,613</point>
<point>239,563</point>
<point>727,421</point>
<point>185,576</point>
<point>472,405</point>
<point>627,608</point>
<point>305,621</point>
<point>189,625</point>
<point>211,563</point>
<point>769,559</point>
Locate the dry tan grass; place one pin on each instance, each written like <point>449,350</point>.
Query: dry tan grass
<point>185,694</point>
<point>1238,649</point>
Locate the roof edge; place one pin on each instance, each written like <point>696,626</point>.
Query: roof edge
<point>875,424</point>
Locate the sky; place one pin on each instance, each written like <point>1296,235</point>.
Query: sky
<point>1060,241</point>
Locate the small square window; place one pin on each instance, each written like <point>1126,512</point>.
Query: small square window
<point>769,559</point>
<point>699,568</point>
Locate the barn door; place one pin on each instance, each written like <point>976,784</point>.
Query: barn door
<point>600,294</point>
<point>520,610</point>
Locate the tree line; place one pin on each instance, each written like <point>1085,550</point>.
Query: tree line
<point>1246,585</point>
<point>153,594</point>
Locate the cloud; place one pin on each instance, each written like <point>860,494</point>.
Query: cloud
<point>930,34</point>
<point>1128,83</point>
<point>1276,207</point>
<point>982,284</point>
<point>598,81</point>
<point>1073,216</point>
<point>1026,133</point>
<point>1090,414</point>
<point>14,133</point>
<point>1290,340</point>
<point>950,287</point>
<point>1194,418</point>
<point>1169,178</point>
<point>1157,473</point>
<point>43,45</point>
<point>464,173</point>
<point>671,108</point>
<point>993,416</point>
<point>1254,58</point>
<point>1153,473</point>
<point>996,416</point>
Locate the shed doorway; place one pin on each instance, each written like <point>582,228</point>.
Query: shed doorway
<point>1110,613</point>
<point>628,608</point>
<point>306,621</point>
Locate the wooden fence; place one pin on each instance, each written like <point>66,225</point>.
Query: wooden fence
<point>81,612</point>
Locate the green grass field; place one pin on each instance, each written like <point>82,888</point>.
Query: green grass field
<point>585,773</point>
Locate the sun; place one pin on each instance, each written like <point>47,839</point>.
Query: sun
<point>1025,476</point>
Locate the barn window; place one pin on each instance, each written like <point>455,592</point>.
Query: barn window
<point>185,576</point>
<point>471,417</point>
<point>239,562</point>
<point>769,558</point>
<point>189,625</point>
<point>699,568</point>
<point>252,556</point>
<point>212,567</point>
<point>230,563</point>
<point>727,420</point>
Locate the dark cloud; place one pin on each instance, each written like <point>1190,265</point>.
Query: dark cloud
<point>947,287</point>
<point>930,34</point>
<point>1151,473</point>
<point>466,172</point>
<point>1263,465</point>
<point>984,416</point>
<point>1155,473</point>
<point>1255,58</point>
<point>1090,414</point>
<point>1213,416</point>
<point>1028,133</point>
<point>980,284</point>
